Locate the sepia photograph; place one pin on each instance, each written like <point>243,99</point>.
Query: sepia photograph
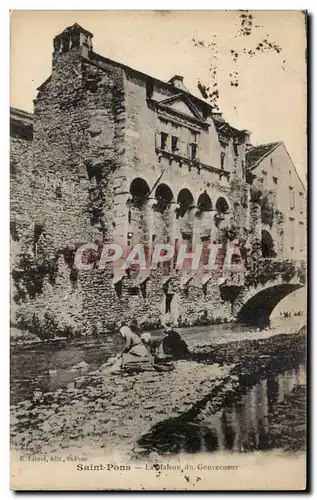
<point>158,250</point>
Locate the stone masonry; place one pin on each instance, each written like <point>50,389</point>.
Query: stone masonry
<point>112,154</point>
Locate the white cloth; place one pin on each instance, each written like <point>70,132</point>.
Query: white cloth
<point>125,330</point>
<point>146,337</point>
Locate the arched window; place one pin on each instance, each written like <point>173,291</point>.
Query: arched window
<point>267,245</point>
<point>222,206</point>
<point>204,202</point>
<point>164,196</point>
<point>185,200</point>
<point>139,190</point>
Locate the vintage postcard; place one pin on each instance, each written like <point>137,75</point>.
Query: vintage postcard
<point>158,250</point>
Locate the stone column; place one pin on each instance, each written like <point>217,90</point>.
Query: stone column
<point>121,216</point>
<point>149,211</point>
<point>173,228</point>
<point>196,228</point>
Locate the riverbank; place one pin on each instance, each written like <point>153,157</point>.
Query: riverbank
<point>47,365</point>
<point>288,428</point>
<point>96,412</point>
<point>194,335</point>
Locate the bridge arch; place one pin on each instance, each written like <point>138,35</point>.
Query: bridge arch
<point>258,304</point>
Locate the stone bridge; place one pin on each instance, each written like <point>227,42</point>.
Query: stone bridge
<point>261,295</point>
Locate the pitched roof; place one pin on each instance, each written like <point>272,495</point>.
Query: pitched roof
<point>225,128</point>
<point>20,114</point>
<point>256,154</point>
<point>21,124</point>
<point>76,27</point>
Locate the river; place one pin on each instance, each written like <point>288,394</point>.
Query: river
<point>46,366</point>
<point>269,414</point>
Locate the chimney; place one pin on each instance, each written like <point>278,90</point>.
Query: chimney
<point>73,37</point>
<point>247,139</point>
<point>178,82</point>
<point>217,115</point>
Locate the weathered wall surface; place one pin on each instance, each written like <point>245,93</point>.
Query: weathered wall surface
<point>97,128</point>
<point>279,176</point>
<point>21,203</point>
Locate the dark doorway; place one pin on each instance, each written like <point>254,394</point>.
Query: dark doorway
<point>168,302</point>
<point>267,245</point>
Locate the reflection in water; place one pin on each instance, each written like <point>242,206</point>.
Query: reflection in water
<point>245,426</point>
<point>30,364</point>
<point>241,426</point>
<point>48,366</point>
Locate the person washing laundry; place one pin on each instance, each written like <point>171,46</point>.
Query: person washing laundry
<point>134,350</point>
<point>173,345</point>
<point>147,338</point>
<point>134,347</point>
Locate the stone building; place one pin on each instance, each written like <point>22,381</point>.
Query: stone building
<point>117,155</point>
<point>271,165</point>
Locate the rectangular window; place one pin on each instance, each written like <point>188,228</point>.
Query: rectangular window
<point>193,151</point>
<point>222,160</point>
<point>235,149</point>
<point>164,137</point>
<point>174,144</point>
<point>275,180</point>
<point>291,198</point>
<point>302,235</point>
<point>292,233</point>
<point>301,202</point>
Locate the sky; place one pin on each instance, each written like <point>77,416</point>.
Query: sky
<point>254,59</point>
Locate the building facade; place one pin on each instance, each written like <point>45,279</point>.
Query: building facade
<point>271,165</point>
<point>112,154</point>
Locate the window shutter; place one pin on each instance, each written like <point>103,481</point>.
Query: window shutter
<point>157,140</point>
<point>182,148</point>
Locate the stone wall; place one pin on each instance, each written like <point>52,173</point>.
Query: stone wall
<point>95,130</point>
<point>281,178</point>
<point>93,134</point>
<point>21,214</point>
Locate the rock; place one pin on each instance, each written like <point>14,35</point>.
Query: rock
<point>155,457</point>
<point>13,421</point>
<point>81,366</point>
<point>149,405</point>
<point>46,427</point>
